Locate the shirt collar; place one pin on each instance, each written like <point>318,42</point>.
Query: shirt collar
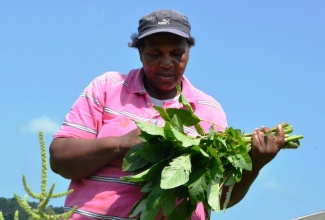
<point>134,81</point>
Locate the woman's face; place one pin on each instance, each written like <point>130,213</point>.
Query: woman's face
<point>164,57</point>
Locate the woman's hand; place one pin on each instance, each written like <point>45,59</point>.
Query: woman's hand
<point>128,140</point>
<point>265,146</point>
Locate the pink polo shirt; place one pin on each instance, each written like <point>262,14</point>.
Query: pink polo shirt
<point>108,107</point>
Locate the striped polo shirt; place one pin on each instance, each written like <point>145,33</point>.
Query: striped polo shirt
<point>108,107</point>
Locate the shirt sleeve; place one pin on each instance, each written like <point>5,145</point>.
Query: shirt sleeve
<point>212,114</point>
<point>85,117</point>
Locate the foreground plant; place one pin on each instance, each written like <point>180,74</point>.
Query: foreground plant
<point>16,217</point>
<point>43,196</point>
<point>177,171</point>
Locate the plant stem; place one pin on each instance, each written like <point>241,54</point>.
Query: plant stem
<point>213,124</point>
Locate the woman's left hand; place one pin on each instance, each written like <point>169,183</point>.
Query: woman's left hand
<point>265,146</point>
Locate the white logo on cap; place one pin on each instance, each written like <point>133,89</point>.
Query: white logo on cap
<point>163,22</point>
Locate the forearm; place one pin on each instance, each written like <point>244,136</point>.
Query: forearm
<point>264,149</point>
<point>240,189</point>
<point>75,158</point>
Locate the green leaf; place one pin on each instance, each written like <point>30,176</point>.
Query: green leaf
<point>198,150</point>
<point>247,164</point>
<point>149,214</point>
<point>177,123</point>
<point>139,177</point>
<point>162,113</point>
<point>234,176</point>
<point>161,197</point>
<point>154,152</point>
<point>199,129</point>
<point>291,144</point>
<point>221,144</point>
<point>231,179</point>
<point>155,197</point>
<point>213,194</point>
<point>181,192</point>
<point>132,161</point>
<point>216,168</point>
<point>186,117</point>
<point>148,174</point>
<point>138,207</point>
<point>177,173</point>
<point>212,151</point>
<point>199,156</point>
<point>238,173</point>
<point>175,135</point>
<point>185,102</point>
<point>228,196</point>
<point>148,186</point>
<point>168,204</point>
<point>150,129</point>
<point>155,171</point>
<point>231,132</point>
<point>197,185</point>
<point>241,161</point>
<point>180,212</point>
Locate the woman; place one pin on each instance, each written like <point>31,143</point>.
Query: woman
<point>100,129</point>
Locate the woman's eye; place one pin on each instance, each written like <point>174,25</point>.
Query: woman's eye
<point>178,53</point>
<point>153,54</point>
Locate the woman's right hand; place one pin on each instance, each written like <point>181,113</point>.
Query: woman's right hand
<point>129,139</point>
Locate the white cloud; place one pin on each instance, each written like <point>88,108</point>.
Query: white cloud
<point>44,124</point>
<point>267,181</point>
<point>272,185</point>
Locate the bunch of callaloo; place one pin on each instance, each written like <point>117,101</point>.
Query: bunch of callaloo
<point>176,171</point>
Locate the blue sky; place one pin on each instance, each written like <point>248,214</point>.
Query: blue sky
<point>263,60</point>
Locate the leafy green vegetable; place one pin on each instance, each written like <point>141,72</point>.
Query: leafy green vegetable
<point>178,171</point>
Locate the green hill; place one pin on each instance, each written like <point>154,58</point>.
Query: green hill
<point>8,208</point>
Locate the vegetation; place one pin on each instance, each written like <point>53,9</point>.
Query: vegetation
<point>39,210</point>
<point>172,166</point>
<point>8,207</point>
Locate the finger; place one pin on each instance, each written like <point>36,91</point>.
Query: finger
<point>254,139</point>
<point>258,138</point>
<point>279,140</point>
<point>265,136</point>
<point>265,129</point>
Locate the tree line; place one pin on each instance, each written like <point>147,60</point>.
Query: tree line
<point>8,207</point>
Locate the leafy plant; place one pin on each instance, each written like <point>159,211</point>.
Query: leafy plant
<point>178,171</point>
<point>44,196</point>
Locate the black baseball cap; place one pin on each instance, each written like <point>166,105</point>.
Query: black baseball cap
<point>164,21</point>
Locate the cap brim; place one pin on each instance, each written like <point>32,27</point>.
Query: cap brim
<point>173,31</point>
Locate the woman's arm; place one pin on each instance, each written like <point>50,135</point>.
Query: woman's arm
<point>264,149</point>
<point>75,158</point>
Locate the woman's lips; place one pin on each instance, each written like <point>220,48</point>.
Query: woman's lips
<point>166,75</point>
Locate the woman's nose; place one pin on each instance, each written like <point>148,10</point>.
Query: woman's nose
<point>167,61</point>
